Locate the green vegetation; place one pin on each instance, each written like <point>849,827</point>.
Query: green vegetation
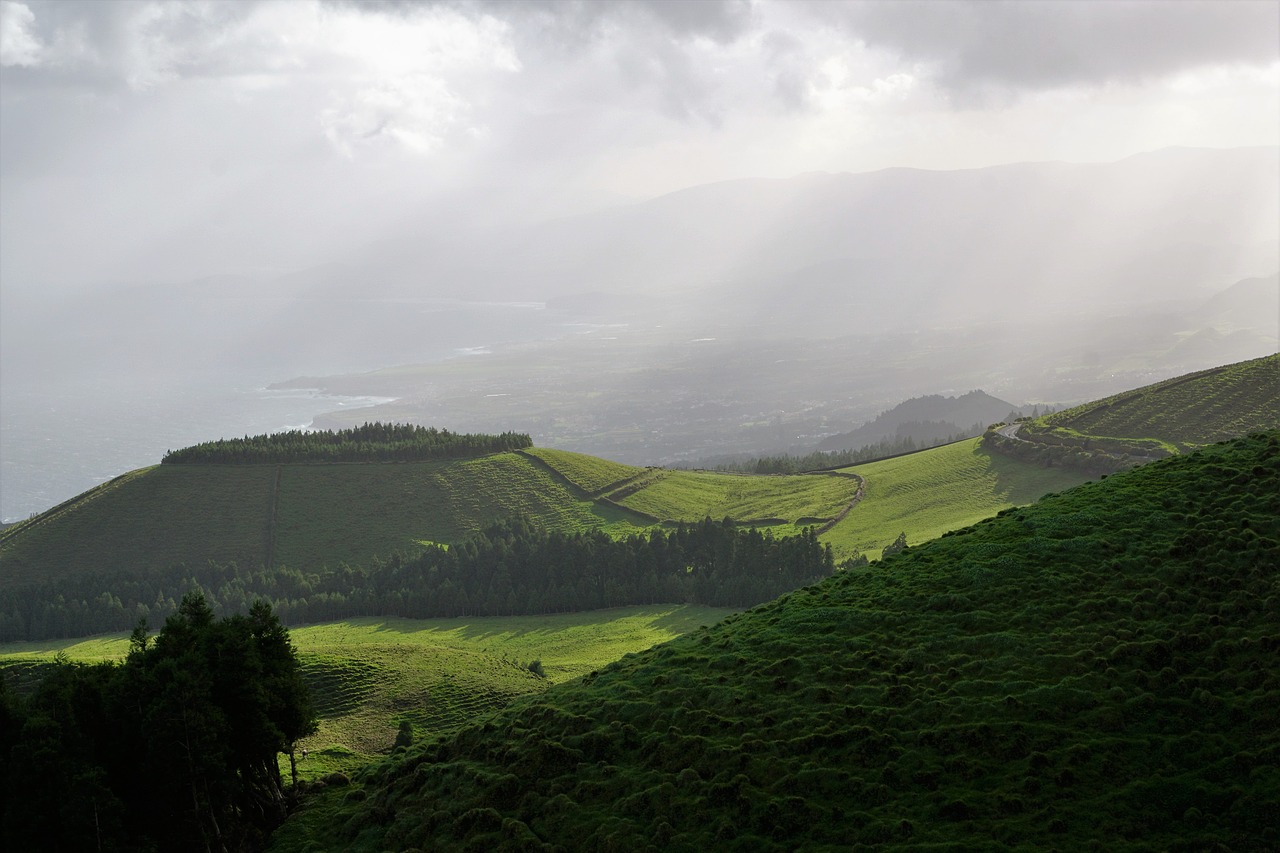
<point>510,568</point>
<point>928,493</point>
<point>1092,672</point>
<point>147,519</point>
<point>591,474</point>
<point>376,442</point>
<point>1187,412</point>
<point>334,514</point>
<point>155,533</point>
<point>312,516</point>
<point>370,676</point>
<point>788,503</point>
<point>824,460</point>
<point>1153,421</point>
<point>188,727</point>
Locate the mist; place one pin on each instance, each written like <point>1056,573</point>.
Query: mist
<point>655,231</point>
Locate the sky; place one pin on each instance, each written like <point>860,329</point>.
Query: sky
<point>165,141</point>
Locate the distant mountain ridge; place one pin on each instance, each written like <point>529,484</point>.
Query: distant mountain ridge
<point>928,418</point>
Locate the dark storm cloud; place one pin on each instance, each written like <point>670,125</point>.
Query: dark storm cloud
<point>1024,45</point>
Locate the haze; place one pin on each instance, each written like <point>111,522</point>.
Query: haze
<point>213,197</point>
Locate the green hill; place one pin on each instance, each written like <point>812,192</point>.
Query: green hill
<point>1091,672</point>
<point>132,547</point>
<point>925,494</point>
<point>311,515</point>
<point>1172,416</point>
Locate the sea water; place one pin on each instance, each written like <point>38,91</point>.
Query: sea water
<point>59,439</point>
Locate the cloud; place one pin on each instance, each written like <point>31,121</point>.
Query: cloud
<point>19,45</point>
<point>307,123</point>
<point>972,45</point>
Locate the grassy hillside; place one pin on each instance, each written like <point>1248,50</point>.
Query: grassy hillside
<point>1090,673</point>
<point>591,474</point>
<point>926,494</point>
<point>155,516</point>
<point>369,674</point>
<point>1184,412</point>
<point>308,515</point>
<point>788,502</point>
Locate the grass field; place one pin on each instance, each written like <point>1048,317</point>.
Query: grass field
<point>158,516</point>
<point>589,473</point>
<point>1182,413</point>
<point>334,513</point>
<point>313,515</point>
<point>928,493</point>
<point>369,674</point>
<point>694,495</point>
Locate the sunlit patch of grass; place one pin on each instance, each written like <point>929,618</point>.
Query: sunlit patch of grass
<point>367,675</point>
<point>931,492</point>
<point>778,501</point>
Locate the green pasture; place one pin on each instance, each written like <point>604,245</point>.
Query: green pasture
<point>330,514</point>
<point>589,473</point>
<point>931,492</point>
<point>1187,411</point>
<point>795,500</point>
<point>309,516</point>
<point>153,517</point>
<point>367,675</point>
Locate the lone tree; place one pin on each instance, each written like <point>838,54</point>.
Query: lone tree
<point>899,544</point>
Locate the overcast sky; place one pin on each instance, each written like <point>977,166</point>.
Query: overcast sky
<point>170,140</point>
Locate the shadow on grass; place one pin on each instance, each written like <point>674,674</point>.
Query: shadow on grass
<point>1020,483</point>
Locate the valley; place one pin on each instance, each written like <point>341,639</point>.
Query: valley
<point>391,692</point>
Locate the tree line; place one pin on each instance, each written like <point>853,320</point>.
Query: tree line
<point>509,569</point>
<point>174,748</point>
<point>371,442</point>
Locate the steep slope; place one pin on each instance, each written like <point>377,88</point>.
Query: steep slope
<point>1092,672</point>
<point>928,493</point>
<point>1199,408</point>
<point>302,515</point>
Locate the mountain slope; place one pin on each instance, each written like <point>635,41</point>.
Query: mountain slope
<point>309,516</point>
<point>1199,408</point>
<point>928,493</point>
<point>957,413</point>
<point>1091,672</point>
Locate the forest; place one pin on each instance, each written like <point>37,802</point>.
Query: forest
<point>371,442</point>
<point>510,568</point>
<point>175,748</point>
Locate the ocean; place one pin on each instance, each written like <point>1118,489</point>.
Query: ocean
<point>57,440</point>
